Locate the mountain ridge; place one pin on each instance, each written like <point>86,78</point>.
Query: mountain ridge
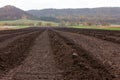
<point>102,14</point>
<point>94,15</point>
<point>13,13</point>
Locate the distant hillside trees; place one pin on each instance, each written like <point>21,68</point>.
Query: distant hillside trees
<point>105,24</point>
<point>39,24</point>
<point>16,24</point>
<point>13,13</point>
<point>95,15</point>
<point>52,19</point>
<point>62,24</point>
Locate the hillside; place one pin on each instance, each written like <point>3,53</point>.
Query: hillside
<point>12,13</point>
<point>74,12</point>
<point>90,15</point>
<point>104,14</point>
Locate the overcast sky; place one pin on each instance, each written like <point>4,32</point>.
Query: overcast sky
<point>42,4</point>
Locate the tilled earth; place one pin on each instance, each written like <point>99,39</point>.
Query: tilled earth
<point>59,54</point>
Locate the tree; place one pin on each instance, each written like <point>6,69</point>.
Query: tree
<point>49,24</point>
<point>62,24</point>
<point>105,24</point>
<point>39,24</point>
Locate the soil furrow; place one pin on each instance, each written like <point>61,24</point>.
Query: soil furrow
<point>59,54</point>
<point>103,51</point>
<point>18,30</point>
<point>40,63</point>
<point>112,39</point>
<point>112,36</point>
<point>76,62</point>
<point>7,36</point>
<point>6,42</point>
<point>15,52</point>
<point>92,31</point>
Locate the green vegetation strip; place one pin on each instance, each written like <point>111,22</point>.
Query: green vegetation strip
<point>111,28</point>
<point>27,22</point>
<point>19,27</point>
<point>94,27</point>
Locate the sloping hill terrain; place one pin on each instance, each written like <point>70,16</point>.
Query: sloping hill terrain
<point>12,13</point>
<point>93,15</point>
<point>106,11</point>
<point>104,14</point>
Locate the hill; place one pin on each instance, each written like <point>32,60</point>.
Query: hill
<point>74,16</point>
<point>103,14</point>
<point>12,13</point>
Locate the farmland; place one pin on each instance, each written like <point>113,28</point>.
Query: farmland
<point>41,53</point>
<point>18,24</point>
<point>97,27</point>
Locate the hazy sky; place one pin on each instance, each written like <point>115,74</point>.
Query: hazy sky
<point>41,4</point>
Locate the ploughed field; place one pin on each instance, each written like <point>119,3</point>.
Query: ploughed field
<point>59,54</point>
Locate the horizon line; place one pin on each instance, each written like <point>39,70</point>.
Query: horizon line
<point>65,8</point>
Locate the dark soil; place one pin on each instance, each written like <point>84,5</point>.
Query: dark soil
<point>59,54</point>
<point>112,36</point>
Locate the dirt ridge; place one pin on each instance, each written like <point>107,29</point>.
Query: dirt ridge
<point>59,54</point>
